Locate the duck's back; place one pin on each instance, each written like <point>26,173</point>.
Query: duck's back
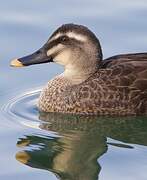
<point>119,87</point>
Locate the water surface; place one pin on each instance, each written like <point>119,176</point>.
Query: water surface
<point>52,146</point>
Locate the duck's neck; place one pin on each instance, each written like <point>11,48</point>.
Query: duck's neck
<point>79,66</point>
<point>77,75</point>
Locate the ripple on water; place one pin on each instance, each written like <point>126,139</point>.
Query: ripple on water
<point>23,109</point>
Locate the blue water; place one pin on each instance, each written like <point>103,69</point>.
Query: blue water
<point>53,146</point>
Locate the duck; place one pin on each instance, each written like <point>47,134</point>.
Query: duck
<point>89,85</point>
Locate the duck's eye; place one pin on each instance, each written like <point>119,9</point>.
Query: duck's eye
<point>64,38</point>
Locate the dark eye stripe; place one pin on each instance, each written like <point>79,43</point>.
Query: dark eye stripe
<point>62,40</point>
<point>50,45</point>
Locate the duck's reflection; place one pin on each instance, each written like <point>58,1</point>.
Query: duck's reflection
<point>82,140</point>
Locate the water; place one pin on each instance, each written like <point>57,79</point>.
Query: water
<point>52,146</point>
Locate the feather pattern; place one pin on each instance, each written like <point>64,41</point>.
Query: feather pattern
<point>119,87</point>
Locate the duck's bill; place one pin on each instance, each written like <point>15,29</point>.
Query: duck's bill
<point>36,58</point>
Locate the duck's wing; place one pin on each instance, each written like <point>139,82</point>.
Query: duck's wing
<point>130,71</point>
<point>128,65</point>
<point>137,60</point>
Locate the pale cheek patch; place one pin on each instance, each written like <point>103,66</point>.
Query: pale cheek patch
<point>55,49</point>
<point>63,58</point>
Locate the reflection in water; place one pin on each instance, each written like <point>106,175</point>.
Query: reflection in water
<point>74,154</point>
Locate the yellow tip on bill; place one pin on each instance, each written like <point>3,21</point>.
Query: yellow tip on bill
<point>16,63</point>
<point>22,157</point>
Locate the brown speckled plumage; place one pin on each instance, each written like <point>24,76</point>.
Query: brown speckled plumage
<point>90,85</point>
<point>119,87</point>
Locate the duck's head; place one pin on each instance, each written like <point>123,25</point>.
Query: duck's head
<point>73,46</point>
